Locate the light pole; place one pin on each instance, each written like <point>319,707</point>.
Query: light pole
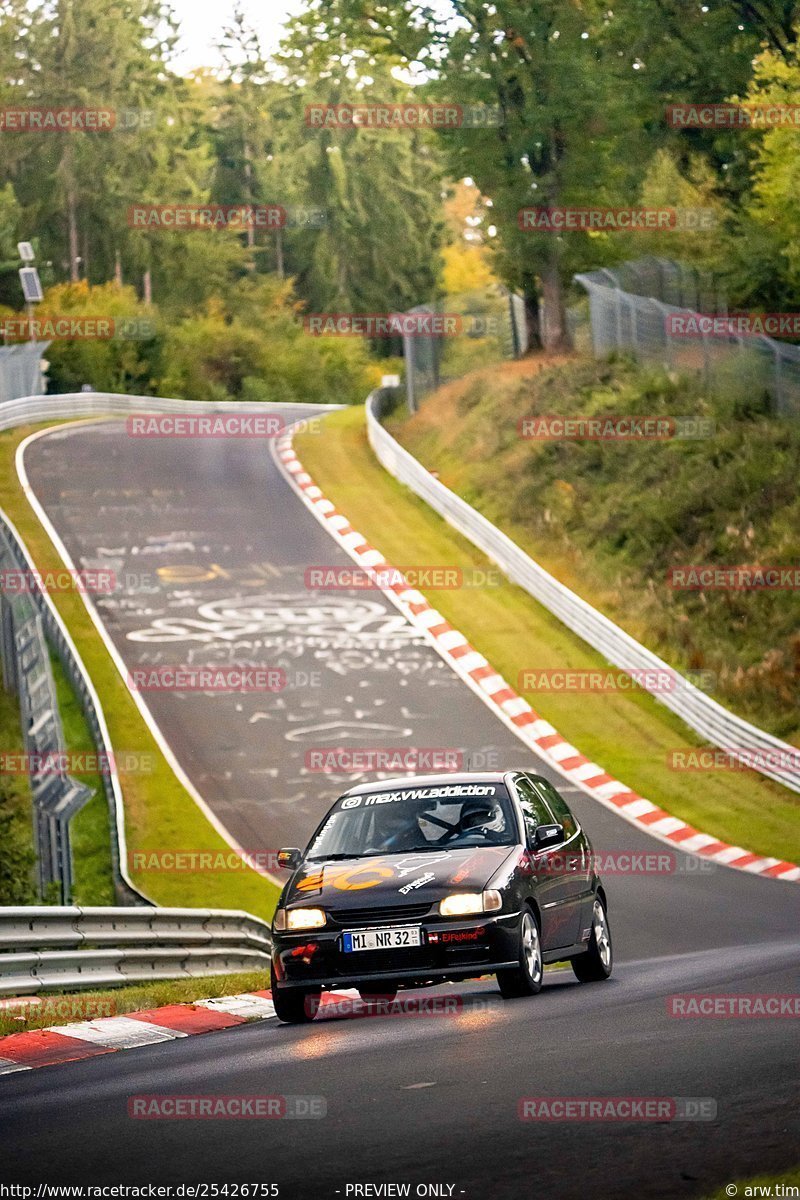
<point>31,284</point>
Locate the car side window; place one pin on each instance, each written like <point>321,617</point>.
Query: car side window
<point>534,811</point>
<point>558,807</point>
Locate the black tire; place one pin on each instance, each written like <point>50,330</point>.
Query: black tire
<point>597,961</point>
<point>377,991</point>
<point>294,1006</point>
<point>526,979</point>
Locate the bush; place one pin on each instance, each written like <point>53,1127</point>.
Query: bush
<point>17,857</point>
<point>129,361</point>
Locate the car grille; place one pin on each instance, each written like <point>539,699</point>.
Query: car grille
<point>344,918</point>
<point>367,962</point>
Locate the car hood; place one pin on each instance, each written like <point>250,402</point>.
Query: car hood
<point>386,880</point>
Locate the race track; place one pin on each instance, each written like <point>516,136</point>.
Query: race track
<point>212,545</point>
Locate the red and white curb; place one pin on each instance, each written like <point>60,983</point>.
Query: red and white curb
<point>478,673</point>
<point>106,1035</point>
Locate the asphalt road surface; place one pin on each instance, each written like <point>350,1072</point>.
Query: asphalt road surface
<point>212,545</point>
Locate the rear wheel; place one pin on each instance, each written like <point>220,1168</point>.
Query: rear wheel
<point>526,979</point>
<point>597,961</point>
<point>294,1006</point>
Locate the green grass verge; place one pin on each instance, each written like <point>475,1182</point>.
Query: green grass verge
<point>17,855</point>
<point>89,831</point>
<point>610,519</point>
<point>762,1185</point>
<point>160,816</point>
<point>630,735</point>
<point>60,1008</point>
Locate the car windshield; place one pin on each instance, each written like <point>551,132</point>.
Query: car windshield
<point>448,816</point>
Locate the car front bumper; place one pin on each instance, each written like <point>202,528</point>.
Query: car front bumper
<point>449,949</point>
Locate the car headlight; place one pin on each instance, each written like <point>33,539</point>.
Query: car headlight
<point>299,918</point>
<point>465,904</point>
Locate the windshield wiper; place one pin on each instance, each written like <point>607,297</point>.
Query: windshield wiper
<point>427,849</point>
<point>332,857</point>
<point>375,853</point>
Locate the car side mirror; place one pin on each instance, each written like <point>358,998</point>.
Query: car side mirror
<point>290,858</point>
<point>547,835</point>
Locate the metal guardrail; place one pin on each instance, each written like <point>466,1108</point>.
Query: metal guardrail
<point>27,671</point>
<point>716,724</point>
<point>55,949</point>
<point>72,405</point>
<point>55,800</point>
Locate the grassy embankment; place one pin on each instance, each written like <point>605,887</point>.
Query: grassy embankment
<point>630,734</point>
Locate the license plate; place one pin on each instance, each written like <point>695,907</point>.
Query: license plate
<point>382,939</point>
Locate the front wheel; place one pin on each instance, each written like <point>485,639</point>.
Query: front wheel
<point>294,1006</point>
<point>597,961</point>
<point>526,979</point>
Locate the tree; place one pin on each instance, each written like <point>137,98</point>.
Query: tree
<point>763,254</point>
<point>540,65</point>
<point>381,190</point>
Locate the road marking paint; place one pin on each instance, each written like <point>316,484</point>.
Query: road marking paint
<point>120,1033</point>
<point>668,825</point>
<point>245,1004</point>
<point>7,1067</point>
<point>43,1047</point>
<point>563,751</point>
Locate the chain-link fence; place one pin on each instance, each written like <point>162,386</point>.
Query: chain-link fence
<point>681,323</point>
<point>457,334</point>
<point>21,370</point>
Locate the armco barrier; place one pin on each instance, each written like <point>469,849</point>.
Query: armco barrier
<point>98,404</point>
<point>60,640</point>
<point>708,718</point>
<point>27,670</point>
<point>53,949</point>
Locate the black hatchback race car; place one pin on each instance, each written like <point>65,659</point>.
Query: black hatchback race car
<point>415,881</point>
